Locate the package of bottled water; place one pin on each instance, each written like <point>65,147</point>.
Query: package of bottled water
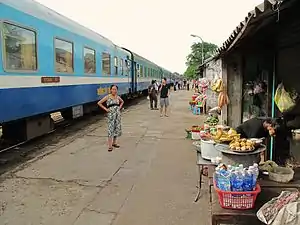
<point>238,179</point>
<point>223,179</point>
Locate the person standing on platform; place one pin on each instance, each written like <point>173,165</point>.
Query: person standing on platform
<point>114,105</point>
<point>152,95</point>
<point>164,97</point>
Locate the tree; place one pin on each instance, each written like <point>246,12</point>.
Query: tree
<point>194,59</point>
<point>190,72</point>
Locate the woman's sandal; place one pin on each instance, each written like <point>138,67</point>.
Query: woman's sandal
<point>110,149</point>
<point>116,146</point>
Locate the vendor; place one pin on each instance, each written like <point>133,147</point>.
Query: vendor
<point>256,128</point>
<point>263,127</point>
<point>202,100</point>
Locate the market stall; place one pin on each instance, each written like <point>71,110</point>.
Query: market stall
<point>238,178</point>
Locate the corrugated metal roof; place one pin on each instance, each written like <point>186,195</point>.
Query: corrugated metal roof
<point>263,10</point>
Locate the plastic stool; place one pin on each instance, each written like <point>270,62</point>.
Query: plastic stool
<point>195,110</point>
<point>198,110</point>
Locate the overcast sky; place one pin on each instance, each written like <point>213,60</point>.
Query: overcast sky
<point>159,30</point>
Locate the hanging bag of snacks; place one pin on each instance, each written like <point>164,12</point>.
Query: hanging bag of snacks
<point>283,99</point>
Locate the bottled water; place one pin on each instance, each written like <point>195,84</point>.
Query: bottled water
<point>237,181</point>
<point>255,174</point>
<point>248,180</point>
<point>229,168</point>
<point>224,180</point>
<point>241,167</point>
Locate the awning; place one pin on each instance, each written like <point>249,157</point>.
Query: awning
<point>257,18</point>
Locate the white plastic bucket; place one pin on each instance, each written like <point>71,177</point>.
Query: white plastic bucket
<point>208,150</point>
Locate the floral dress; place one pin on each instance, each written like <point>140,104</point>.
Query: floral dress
<point>114,117</point>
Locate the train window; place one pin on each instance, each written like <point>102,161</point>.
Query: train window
<point>142,71</point>
<point>63,56</point>
<point>149,73</point>
<point>19,48</point>
<point>105,63</point>
<point>122,67</point>
<point>116,65</point>
<point>89,60</point>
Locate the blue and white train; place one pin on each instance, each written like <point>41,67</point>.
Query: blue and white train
<point>50,63</point>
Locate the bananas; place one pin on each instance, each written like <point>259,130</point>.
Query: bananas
<point>222,136</point>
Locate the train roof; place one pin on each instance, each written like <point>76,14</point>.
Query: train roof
<point>39,11</point>
<point>142,58</point>
<point>42,12</point>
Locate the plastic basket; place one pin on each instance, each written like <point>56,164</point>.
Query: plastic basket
<point>196,135</point>
<point>237,200</point>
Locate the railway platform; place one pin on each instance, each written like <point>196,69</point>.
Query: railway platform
<point>150,180</point>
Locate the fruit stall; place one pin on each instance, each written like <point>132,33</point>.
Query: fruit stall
<point>242,187</point>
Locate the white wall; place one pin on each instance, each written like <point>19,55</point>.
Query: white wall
<point>213,70</point>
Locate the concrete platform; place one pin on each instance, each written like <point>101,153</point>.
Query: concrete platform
<point>150,180</point>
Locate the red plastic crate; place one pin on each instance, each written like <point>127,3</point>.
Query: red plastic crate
<point>237,200</point>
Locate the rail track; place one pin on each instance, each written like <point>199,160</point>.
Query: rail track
<point>59,121</point>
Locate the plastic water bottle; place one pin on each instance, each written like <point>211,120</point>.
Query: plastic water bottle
<point>241,167</point>
<point>248,180</point>
<point>255,174</point>
<point>237,181</point>
<point>224,180</point>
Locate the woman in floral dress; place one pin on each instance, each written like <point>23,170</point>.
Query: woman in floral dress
<point>114,104</point>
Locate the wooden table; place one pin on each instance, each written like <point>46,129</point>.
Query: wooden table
<point>201,163</point>
<point>220,215</point>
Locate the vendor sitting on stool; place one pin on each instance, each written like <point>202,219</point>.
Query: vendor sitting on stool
<point>256,128</point>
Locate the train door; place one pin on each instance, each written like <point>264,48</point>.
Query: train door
<point>134,77</point>
<point>128,74</point>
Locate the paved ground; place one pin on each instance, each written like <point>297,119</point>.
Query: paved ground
<point>151,180</point>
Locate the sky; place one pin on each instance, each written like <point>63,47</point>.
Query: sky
<point>159,30</point>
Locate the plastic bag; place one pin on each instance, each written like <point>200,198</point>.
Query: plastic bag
<point>268,212</point>
<point>283,99</point>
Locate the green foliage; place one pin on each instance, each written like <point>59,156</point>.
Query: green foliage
<point>194,59</point>
<point>190,72</point>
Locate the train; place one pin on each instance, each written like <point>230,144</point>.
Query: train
<point>53,64</point>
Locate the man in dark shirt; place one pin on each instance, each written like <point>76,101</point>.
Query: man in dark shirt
<point>164,97</point>
<point>152,95</point>
<point>256,128</point>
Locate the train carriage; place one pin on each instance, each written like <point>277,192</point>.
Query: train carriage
<point>51,63</point>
